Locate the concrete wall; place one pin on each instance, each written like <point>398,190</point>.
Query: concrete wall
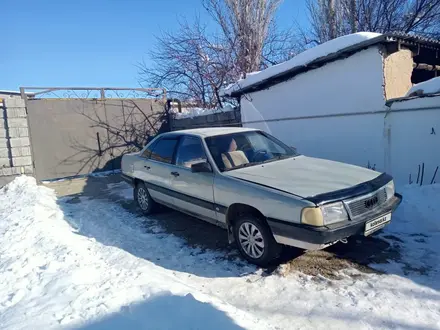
<point>15,150</point>
<point>64,133</point>
<point>228,118</point>
<point>398,69</point>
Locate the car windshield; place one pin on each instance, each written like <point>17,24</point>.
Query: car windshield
<point>244,149</point>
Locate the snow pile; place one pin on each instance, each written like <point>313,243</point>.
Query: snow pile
<point>91,264</point>
<point>416,223</point>
<point>431,86</point>
<point>196,112</point>
<point>54,275</point>
<point>302,59</point>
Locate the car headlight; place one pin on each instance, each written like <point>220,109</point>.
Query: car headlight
<point>333,213</point>
<point>312,216</point>
<point>324,215</point>
<point>390,190</point>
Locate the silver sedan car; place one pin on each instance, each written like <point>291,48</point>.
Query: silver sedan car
<point>259,189</point>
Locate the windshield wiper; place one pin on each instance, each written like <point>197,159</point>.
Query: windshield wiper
<point>284,156</point>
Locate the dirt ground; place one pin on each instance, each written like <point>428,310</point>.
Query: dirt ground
<point>358,253</point>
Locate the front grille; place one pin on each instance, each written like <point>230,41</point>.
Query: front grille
<point>366,204</point>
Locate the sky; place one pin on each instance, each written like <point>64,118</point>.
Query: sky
<point>92,43</point>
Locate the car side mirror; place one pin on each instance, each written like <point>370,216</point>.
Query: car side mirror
<point>201,167</point>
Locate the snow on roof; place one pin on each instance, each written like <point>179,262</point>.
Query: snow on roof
<point>431,86</point>
<point>301,59</point>
<point>213,131</point>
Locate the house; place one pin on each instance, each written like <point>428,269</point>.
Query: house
<point>338,101</point>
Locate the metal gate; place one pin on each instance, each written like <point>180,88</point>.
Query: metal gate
<point>77,131</point>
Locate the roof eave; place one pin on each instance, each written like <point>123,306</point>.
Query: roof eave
<point>345,52</point>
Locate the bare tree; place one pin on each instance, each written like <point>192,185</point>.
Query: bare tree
<point>119,132</point>
<point>194,65</point>
<point>246,26</point>
<point>407,16</point>
<point>190,65</point>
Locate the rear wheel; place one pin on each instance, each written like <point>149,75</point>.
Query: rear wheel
<point>143,199</point>
<point>255,241</point>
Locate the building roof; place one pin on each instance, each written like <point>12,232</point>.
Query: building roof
<point>315,57</point>
<point>212,131</point>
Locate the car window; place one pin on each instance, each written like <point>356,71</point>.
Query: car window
<point>260,142</point>
<point>190,151</point>
<point>147,152</point>
<point>163,150</point>
<point>236,150</point>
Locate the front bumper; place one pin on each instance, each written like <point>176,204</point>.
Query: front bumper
<point>315,238</point>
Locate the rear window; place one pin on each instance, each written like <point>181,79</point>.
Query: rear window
<point>163,150</point>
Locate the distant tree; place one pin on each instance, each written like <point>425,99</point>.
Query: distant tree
<point>333,18</point>
<point>194,65</point>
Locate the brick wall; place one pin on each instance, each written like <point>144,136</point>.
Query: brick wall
<point>15,150</point>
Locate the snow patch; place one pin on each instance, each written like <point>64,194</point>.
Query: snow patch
<point>93,265</point>
<point>57,272</point>
<point>196,112</point>
<point>93,174</point>
<point>121,189</point>
<point>431,86</point>
<point>301,59</point>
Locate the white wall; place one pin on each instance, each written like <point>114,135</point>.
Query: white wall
<point>345,86</point>
<point>412,142</point>
<point>394,142</point>
<point>349,85</point>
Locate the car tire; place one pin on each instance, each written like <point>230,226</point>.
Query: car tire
<point>261,250</point>
<point>143,199</point>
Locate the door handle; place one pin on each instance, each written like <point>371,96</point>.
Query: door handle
<point>147,167</point>
<point>175,173</point>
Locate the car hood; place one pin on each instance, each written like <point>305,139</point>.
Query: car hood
<point>305,176</point>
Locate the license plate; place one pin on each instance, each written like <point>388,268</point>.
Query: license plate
<point>376,224</point>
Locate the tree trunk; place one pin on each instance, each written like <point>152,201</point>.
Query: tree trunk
<point>332,19</point>
<point>353,8</point>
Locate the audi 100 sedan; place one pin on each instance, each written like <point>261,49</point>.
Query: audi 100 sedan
<point>259,189</point>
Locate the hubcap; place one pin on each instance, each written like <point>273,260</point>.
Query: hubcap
<point>251,240</point>
<point>143,198</point>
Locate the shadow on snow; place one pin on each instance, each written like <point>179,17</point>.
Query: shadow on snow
<point>165,312</point>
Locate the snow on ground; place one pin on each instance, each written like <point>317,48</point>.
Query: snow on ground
<point>302,59</point>
<point>196,112</point>
<point>61,268</point>
<point>431,86</point>
<point>90,264</point>
<point>95,174</point>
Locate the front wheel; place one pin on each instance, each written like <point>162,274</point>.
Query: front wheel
<point>143,199</point>
<point>255,241</point>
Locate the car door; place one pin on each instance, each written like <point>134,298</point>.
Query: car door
<point>194,191</point>
<point>155,169</point>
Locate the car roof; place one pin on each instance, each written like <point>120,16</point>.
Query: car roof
<point>211,131</point>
